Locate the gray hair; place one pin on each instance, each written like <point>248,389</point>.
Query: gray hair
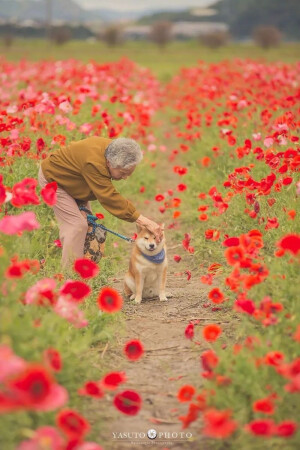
<point>123,153</point>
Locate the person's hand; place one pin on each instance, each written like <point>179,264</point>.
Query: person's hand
<point>151,226</point>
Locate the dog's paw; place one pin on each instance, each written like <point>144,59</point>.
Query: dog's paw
<point>137,300</point>
<point>169,295</point>
<point>163,298</point>
<point>132,297</point>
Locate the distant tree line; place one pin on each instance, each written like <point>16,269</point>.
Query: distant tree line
<point>17,31</point>
<point>242,16</point>
<point>160,33</point>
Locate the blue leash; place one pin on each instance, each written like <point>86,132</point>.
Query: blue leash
<point>92,221</point>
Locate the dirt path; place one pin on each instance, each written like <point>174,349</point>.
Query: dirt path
<point>168,355</point>
<point>170,360</point>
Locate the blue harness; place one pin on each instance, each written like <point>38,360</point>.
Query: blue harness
<point>156,259</point>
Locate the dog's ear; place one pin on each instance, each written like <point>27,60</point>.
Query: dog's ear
<point>138,228</point>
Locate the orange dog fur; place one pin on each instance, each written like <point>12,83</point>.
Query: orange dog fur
<point>145,278</point>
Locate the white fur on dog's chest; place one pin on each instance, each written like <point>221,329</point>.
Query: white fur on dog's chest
<point>148,269</point>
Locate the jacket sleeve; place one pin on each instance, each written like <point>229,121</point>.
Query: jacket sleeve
<point>108,196</point>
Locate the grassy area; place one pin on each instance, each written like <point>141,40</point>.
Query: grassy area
<point>164,63</point>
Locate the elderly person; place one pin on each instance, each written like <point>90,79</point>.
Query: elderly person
<point>84,171</point>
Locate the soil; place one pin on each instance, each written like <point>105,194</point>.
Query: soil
<point>170,361</point>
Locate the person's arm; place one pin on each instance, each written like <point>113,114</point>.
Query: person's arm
<point>115,204</point>
<point>108,196</point>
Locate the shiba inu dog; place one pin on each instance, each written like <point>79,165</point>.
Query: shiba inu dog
<point>147,272</point>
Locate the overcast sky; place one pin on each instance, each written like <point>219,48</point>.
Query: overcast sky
<point>129,5</point>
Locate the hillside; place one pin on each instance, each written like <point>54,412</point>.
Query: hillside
<point>242,16</point>
<point>66,10</point>
<point>185,15</point>
<point>63,10</point>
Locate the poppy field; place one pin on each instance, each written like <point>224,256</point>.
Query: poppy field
<point>221,171</point>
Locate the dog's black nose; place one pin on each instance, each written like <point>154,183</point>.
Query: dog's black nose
<point>151,245</point>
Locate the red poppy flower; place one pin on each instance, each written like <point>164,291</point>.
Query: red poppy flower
<point>206,279</point>
<point>274,358</point>
<point>181,187</point>
<point>186,393</point>
<point>211,332</point>
<point>109,300</point>
<point>180,170</point>
<point>272,222</point>
<point>290,243</point>
<point>72,424</point>
<point>286,428</point>
<point>86,268</point>
<point>113,379</point>
<point>76,289</point>
<point>134,350</point>
<point>191,416</point>
<point>209,360</point>
<point>128,402</point>
<point>53,359</point>
<point>24,193</point>
<point>177,258</point>
<point>212,234</point>
<point>292,214</point>
<point>286,181</point>
<point>214,267</point>
<point>296,335</point>
<point>231,242</point>
<point>234,255</point>
<point>176,202</point>
<point>189,331</point>
<point>218,424</point>
<point>245,305</point>
<point>188,275</point>
<point>264,405</point>
<point>203,217</point>
<point>223,380</point>
<point>216,296</point>
<point>159,197</point>
<point>49,193</point>
<point>186,241</point>
<point>205,161</point>
<point>261,427</point>
<point>271,201</point>
<point>40,144</point>
<point>92,389</point>
<point>15,270</point>
<point>32,385</point>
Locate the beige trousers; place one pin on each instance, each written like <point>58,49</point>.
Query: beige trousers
<point>72,224</point>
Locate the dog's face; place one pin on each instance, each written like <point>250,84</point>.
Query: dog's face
<point>146,241</point>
